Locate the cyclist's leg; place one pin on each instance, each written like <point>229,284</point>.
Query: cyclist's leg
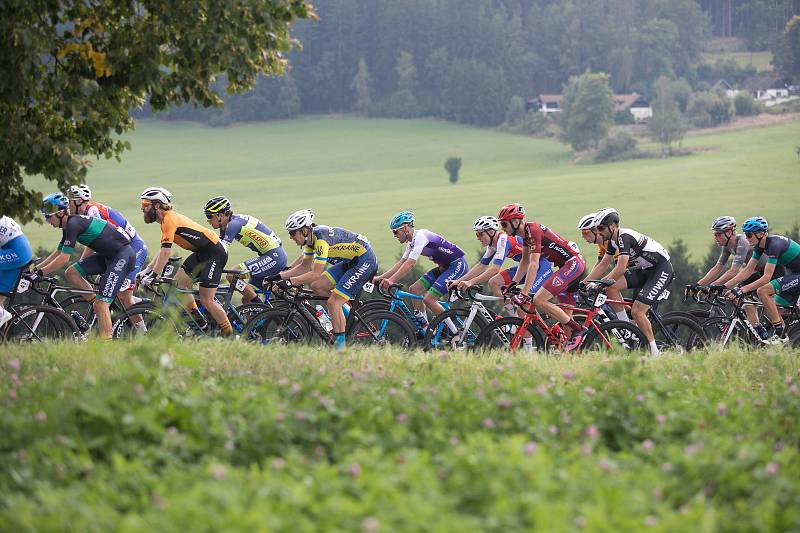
<point>268,264</point>
<point>786,287</point>
<point>184,279</point>
<point>110,284</point>
<point>500,280</point>
<point>77,273</point>
<point>438,288</point>
<point>348,286</point>
<point>325,284</point>
<point>209,281</point>
<point>422,285</point>
<point>555,284</point>
<point>656,281</point>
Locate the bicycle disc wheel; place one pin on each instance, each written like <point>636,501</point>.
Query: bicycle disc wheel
<point>615,336</point>
<point>277,326</point>
<point>35,323</point>
<point>439,334</point>
<point>679,333</point>
<point>501,335</point>
<point>381,328</point>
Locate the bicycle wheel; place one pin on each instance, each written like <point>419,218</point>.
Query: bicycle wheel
<point>615,336</point>
<point>718,330</point>
<point>500,335</point>
<point>679,333</point>
<point>241,315</point>
<point>439,334</point>
<point>154,318</point>
<point>698,315</point>
<point>381,328</point>
<point>35,323</point>
<point>278,326</point>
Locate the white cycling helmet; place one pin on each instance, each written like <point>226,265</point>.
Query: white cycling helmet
<point>606,216</point>
<point>587,221</point>
<point>485,223</point>
<point>80,192</point>
<point>299,219</point>
<point>157,194</point>
<point>723,223</point>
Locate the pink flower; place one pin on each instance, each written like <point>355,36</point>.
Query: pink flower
<point>580,522</point>
<point>772,468</point>
<point>647,444</point>
<point>588,391</point>
<point>504,403</point>
<point>400,418</point>
<point>301,416</point>
<point>541,389</point>
<point>586,449</point>
<point>219,472</point>
<point>371,524</point>
<point>14,364</point>
<point>604,465</point>
<point>495,383</point>
<point>280,417</point>
<point>592,432</point>
<point>354,470</point>
<point>12,394</point>
<point>529,448</point>
<point>722,409</point>
<point>661,419</point>
<point>793,388</point>
<point>569,374</point>
<point>15,379</point>
<point>639,398</point>
<point>278,463</point>
<point>488,423</point>
<point>552,429</point>
<point>41,416</point>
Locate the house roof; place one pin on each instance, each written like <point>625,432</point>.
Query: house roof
<point>551,98</point>
<point>761,83</point>
<point>722,84</point>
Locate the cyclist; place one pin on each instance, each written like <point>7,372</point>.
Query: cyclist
<point>203,265</point>
<point>449,259</point>
<point>590,235</point>
<point>540,241</point>
<point>80,197</point>
<point>251,233</point>
<point>778,250</point>
<point>642,264</point>
<point>724,230</point>
<point>15,254</point>
<point>499,247</point>
<point>114,256</point>
<point>340,282</point>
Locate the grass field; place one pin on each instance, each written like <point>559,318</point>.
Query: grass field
<point>760,60</point>
<point>357,172</point>
<point>209,436</point>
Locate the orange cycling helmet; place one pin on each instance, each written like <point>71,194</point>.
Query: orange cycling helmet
<point>511,212</point>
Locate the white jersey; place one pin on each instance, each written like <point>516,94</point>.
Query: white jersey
<point>643,252</point>
<point>9,230</point>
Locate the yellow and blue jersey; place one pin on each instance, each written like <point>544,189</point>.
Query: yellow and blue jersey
<point>329,244</point>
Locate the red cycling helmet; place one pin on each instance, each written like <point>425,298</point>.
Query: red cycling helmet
<point>511,212</point>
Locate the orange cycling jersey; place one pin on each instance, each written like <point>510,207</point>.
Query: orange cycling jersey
<point>186,233</point>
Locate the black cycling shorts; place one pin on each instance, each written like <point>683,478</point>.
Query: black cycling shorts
<point>205,267</point>
<point>115,271</point>
<point>651,282</point>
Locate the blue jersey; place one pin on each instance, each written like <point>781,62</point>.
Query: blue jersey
<point>116,219</point>
<point>250,232</point>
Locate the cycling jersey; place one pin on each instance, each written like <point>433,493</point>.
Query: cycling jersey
<point>186,233</point>
<point>504,248</point>
<point>9,230</point>
<point>95,233</point>
<point>780,250</point>
<point>601,251</point>
<point>741,252</point>
<point>112,216</point>
<point>555,248</point>
<point>250,232</point>
<point>642,251</point>
<point>433,246</point>
<point>329,243</point>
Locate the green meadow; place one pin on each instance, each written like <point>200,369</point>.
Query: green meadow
<point>760,60</point>
<point>357,172</point>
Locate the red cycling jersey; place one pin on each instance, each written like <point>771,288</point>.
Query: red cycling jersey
<point>553,247</point>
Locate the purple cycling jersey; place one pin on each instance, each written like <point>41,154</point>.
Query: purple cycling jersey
<point>434,246</point>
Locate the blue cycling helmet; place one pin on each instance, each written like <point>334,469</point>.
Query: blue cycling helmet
<point>403,217</point>
<point>54,202</point>
<point>755,224</point>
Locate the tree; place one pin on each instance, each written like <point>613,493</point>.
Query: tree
<point>288,97</point>
<point>786,54</point>
<point>70,72</point>
<point>587,110</point>
<point>710,109</point>
<point>403,102</point>
<point>453,166</point>
<point>666,126</point>
<point>362,85</point>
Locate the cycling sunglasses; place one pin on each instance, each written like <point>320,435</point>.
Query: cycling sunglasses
<point>602,228</point>
<point>751,234</point>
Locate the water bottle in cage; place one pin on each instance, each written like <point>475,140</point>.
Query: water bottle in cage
<point>323,318</point>
<point>81,322</point>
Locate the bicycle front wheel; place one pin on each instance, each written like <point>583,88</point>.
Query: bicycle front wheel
<point>37,323</point>
<point>504,334</point>
<point>449,330</point>
<point>381,328</point>
<point>277,326</point>
<point>680,333</point>
<point>142,319</point>
<point>615,336</point>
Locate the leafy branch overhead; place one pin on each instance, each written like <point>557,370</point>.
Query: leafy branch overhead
<point>70,73</point>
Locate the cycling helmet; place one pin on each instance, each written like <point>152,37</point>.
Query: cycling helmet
<point>723,223</point>
<point>511,212</point>
<point>587,221</point>
<point>157,194</point>
<point>54,202</point>
<point>403,217</point>
<point>485,223</point>
<point>606,216</point>
<point>80,192</point>
<point>299,219</point>
<point>755,224</point>
<point>218,204</point>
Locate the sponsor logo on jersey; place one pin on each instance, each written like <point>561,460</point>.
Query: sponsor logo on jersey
<point>663,278</point>
<point>791,284</point>
<point>351,281</point>
<point>190,236</point>
<point>119,265</point>
<point>108,288</point>
<point>211,270</point>
<point>350,247</point>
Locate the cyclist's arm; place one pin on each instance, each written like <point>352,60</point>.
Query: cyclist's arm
<point>479,273</point>
<point>312,274</point>
<point>729,274</point>
<point>523,264</point>
<point>712,273</point>
<point>600,267</point>
<point>404,268</point>
<point>55,263</point>
<point>388,273</point>
<point>533,269</point>
<point>769,270</point>
<point>160,260</point>
<point>300,266</point>
<point>619,270</point>
<point>47,260</point>
<point>743,274</point>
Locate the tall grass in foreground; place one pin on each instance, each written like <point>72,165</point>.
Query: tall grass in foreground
<point>159,436</point>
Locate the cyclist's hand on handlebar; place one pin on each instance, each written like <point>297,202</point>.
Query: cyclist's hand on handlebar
<point>385,284</point>
<point>34,275</point>
<point>734,293</point>
<point>510,289</point>
<point>521,299</point>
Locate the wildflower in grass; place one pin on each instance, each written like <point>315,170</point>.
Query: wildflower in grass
<point>279,418</point>
<point>658,494</point>
<point>354,469</point>
<point>580,522</point>
<point>371,524</point>
<point>588,391</point>
<point>41,416</point>
<point>592,432</point>
<point>12,394</point>
<point>488,422</point>
<point>661,419</point>
<point>772,468</point>
<point>541,389</point>
<point>693,449</point>
<point>604,465</point>
<point>552,429</point>
<point>504,403</point>
<point>494,383</point>
<point>529,448</point>
<point>667,467</point>
<point>722,409</point>
<point>793,388</point>
<point>565,418</point>
<point>648,445</point>
<point>400,418</point>
<point>392,391</point>
<point>453,441</point>
<point>569,374</point>
<point>640,398</point>
<point>15,379</point>
<point>650,520</point>
<point>219,472</point>
<point>587,448</point>
<point>278,463</point>
<point>14,364</point>
<point>165,360</point>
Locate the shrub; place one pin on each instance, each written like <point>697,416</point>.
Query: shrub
<point>623,116</point>
<point>620,147</point>
<point>453,166</point>
<point>746,105</point>
<point>708,109</point>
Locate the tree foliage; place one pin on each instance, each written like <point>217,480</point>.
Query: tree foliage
<point>787,51</point>
<point>666,126</point>
<point>362,85</point>
<point>71,71</point>
<point>587,110</point>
